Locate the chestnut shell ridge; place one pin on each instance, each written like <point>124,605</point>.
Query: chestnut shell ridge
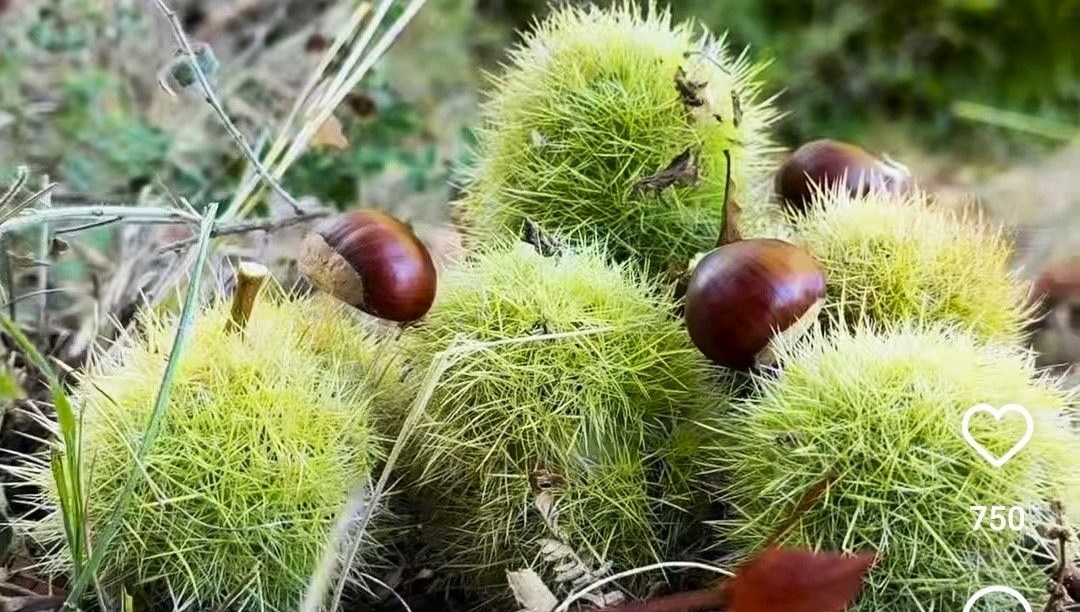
<point>742,294</point>
<point>395,277</point>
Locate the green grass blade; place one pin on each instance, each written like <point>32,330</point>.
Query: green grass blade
<point>183,331</point>
<point>1020,122</point>
<point>66,470</point>
<point>69,512</point>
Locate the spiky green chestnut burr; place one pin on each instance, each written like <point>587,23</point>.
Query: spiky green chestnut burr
<point>265,437</point>
<point>898,257</point>
<point>616,124</point>
<point>560,416</point>
<point>864,431</point>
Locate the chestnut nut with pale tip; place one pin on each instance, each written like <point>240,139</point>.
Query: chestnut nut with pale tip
<point>373,261</point>
<point>743,294</point>
<point>825,163</point>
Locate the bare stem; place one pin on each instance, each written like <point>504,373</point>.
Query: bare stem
<point>20,179</point>
<point>729,222</point>
<point>250,278</point>
<point>215,103</point>
<point>44,244</point>
<point>232,229</point>
<point>130,214</point>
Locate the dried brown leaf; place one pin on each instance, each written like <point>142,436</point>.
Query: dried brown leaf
<point>683,170</point>
<point>330,134</point>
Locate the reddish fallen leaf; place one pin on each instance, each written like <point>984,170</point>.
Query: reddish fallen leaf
<point>796,580</point>
<point>777,580</point>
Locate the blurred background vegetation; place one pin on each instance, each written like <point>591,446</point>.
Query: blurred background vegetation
<point>848,67</point>
<point>981,80</point>
<point>967,92</point>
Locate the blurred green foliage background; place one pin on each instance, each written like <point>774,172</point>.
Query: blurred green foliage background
<point>77,84</point>
<point>847,66</point>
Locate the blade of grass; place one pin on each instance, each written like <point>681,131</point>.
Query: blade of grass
<point>344,81</point>
<point>334,95</point>
<point>9,212</point>
<point>7,279</point>
<point>157,415</point>
<point>251,182</point>
<point>66,467</point>
<point>21,174</point>
<point>1012,120</point>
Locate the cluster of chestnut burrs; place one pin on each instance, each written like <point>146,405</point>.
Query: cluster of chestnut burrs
<point>740,295</point>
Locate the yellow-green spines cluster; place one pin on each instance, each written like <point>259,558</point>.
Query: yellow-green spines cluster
<point>568,394</point>
<point>265,436</point>
<point>588,108</point>
<point>872,422</point>
<point>892,258</point>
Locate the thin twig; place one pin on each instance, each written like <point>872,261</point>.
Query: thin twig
<point>1058,593</point>
<point>85,226</point>
<point>44,247</point>
<point>808,499</point>
<point>23,205</point>
<point>219,109</point>
<point>232,229</point>
<point>20,179</point>
<point>33,294</point>
<point>129,214</point>
<point>7,278</point>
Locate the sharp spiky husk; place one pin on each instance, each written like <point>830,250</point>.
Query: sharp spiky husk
<point>893,258</point>
<point>588,107</point>
<point>872,422</point>
<point>265,437</point>
<point>570,427</point>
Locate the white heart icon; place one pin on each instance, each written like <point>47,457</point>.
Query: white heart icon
<point>998,414</point>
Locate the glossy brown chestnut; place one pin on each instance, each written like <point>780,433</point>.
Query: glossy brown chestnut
<point>827,162</point>
<point>743,294</point>
<point>372,261</point>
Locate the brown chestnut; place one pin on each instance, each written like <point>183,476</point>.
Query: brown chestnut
<point>1055,325</point>
<point>741,295</point>
<point>824,163</point>
<point>372,261</point>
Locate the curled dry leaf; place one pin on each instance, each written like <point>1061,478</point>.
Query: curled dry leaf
<point>531,592</point>
<point>684,170</point>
